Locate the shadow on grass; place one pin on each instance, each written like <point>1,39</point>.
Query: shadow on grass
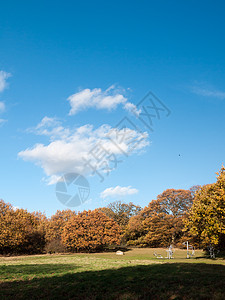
<point>34,269</point>
<point>221,254</point>
<point>157,281</point>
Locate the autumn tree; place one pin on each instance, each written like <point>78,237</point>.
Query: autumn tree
<point>161,222</point>
<point>54,228</point>
<point>6,218</point>
<point>56,222</point>
<point>90,231</point>
<point>194,189</point>
<point>121,212</point>
<point>206,220</point>
<point>20,230</point>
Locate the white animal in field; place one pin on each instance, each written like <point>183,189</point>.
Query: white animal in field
<point>119,252</point>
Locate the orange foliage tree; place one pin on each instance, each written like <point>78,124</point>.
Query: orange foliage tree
<point>54,228</point>
<point>162,221</point>
<point>20,231</point>
<point>54,225</point>
<point>90,231</point>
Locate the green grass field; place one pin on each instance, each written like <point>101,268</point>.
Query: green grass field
<point>136,275</point>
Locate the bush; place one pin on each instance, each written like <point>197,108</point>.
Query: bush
<point>55,246</point>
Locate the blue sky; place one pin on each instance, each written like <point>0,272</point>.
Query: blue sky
<point>71,70</point>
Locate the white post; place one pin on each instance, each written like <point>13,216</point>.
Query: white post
<point>187,251</point>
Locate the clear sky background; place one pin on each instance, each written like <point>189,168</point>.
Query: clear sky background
<point>54,54</point>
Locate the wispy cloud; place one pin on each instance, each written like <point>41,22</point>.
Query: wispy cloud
<point>2,121</point>
<point>2,109</point>
<point>208,92</point>
<point>3,76</point>
<point>2,106</point>
<point>118,191</point>
<point>50,127</point>
<point>3,84</point>
<point>99,99</point>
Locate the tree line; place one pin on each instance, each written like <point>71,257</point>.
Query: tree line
<point>196,215</point>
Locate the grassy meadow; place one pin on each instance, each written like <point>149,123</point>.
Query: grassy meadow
<point>136,275</point>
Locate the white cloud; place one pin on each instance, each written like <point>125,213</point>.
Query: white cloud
<point>46,121</point>
<point>15,208</point>
<point>118,191</point>
<point>208,92</point>
<point>68,148</point>
<point>132,108</point>
<point>3,77</point>
<point>96,98</point>
<point>50,127</point>
<point>2,107</point>
<point>2,121</point>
